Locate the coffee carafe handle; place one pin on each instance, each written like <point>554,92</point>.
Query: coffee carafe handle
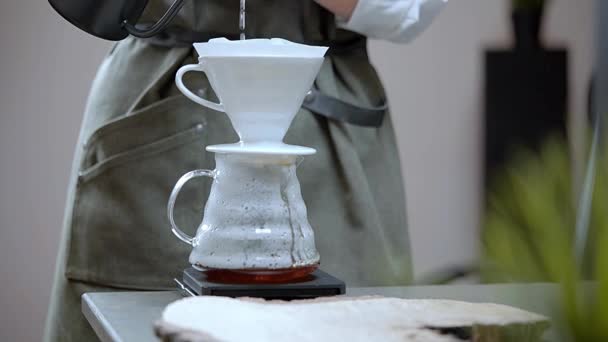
<point>178,187</point>
<point>189,94</point>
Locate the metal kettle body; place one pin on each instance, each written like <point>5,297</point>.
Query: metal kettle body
<point>112,19</point>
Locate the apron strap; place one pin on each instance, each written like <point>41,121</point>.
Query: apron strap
<point>315,101</point>
<point>336,109</point>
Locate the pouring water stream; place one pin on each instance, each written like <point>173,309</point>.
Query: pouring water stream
<point>242,20</point>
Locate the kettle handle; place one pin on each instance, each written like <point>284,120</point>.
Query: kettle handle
<point>189,94</point>
<point>160,25</point>
<point>171,204</point>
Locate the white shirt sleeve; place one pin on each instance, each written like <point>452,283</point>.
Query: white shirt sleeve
<point>399,21</point>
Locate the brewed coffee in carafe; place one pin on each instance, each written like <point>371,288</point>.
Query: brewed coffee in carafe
<point>255,225</point>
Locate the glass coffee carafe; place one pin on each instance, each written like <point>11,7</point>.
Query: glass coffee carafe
<point>255,226</point>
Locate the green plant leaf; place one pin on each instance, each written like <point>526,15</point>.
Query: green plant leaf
<point>528,234</point>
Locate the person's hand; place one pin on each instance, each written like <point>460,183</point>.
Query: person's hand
<point>341,8</point>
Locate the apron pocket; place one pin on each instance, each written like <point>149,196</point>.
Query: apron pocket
<point>142,152</point>
<point>119,232</point>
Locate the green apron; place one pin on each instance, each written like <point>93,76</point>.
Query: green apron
<point>140,134</point>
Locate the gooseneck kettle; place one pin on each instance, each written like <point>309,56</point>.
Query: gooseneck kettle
<point>112,19</point>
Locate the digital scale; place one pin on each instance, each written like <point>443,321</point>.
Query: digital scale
<point>317,284</point>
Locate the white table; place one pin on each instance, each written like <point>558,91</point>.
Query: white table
<point>129,316</point>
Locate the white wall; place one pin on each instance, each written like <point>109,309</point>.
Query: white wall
<point>435,89</point>
<point>46,67</point>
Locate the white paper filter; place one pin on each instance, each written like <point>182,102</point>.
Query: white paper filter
<point>274,47</point>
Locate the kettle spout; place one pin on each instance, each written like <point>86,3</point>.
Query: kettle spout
<point>160,25</point>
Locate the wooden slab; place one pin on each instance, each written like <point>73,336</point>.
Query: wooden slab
<point>345,319</point>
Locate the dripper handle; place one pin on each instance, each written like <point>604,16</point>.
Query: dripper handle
<point>171,204</point>
<point>189,94</point>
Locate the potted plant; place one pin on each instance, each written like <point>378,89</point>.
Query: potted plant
<point>527,18</point>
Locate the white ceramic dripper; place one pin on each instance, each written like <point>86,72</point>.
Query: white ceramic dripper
<point>261,83</point>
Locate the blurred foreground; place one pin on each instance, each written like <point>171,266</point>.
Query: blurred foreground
<point>529,232</point>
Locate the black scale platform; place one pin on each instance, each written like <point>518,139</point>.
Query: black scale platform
<point>317,284</point>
